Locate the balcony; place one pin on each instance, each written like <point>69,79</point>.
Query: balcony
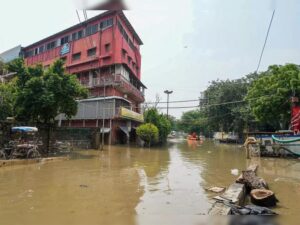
<point>117,81</point>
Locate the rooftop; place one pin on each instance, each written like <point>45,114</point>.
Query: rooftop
<point>100,16</point>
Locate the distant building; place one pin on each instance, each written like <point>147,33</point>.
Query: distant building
<point>6,57</point>
<point>11,54</point>
<point>104,53</point>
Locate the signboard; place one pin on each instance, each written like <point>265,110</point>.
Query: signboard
<point>128,114</point>
<point>65,49</point>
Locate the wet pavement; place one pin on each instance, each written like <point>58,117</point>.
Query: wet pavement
<point>136,186</point>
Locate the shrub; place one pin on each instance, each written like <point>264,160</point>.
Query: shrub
<point>148,133</point>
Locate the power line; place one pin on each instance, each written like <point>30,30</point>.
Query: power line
<point>264,46</point>
<point>182,101</point>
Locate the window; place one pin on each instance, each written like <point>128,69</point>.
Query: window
<point>80,34</point>
<point>29,53</point>
<point>36,51</point>
<point>74,36</point>
<point>91,52</point>
<point>125,36</point>
<point>64,40</point>
<point>92,29</point>
<point>107,47</point>
<point>110,22</point>
<point>76,56</point>
<point>41,49</point>
<point>123,54</point>
<point>106,23</point>
<point>51,45</point>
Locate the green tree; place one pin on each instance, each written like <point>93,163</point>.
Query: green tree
<point>160,121</point>
<point>44,94</point>
<point>7,100</point>
<point>269,96</point>
<point>227,110</point>
<point>194,121</point>
<point>148,133</point>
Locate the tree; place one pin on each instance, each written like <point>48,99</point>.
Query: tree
<point>194,121</point>
<point>7,100</point>
<point>226,109</point>
<point>43,94</point>
<point>160,121</point>
<point>269,95</point>
<point>148,133</point>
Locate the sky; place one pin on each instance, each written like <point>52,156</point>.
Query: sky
<point>187,43</point>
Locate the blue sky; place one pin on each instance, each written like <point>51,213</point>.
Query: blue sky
<point>186,43</point>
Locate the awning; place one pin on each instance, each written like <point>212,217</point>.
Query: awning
<point>24,129</point>
<point>125,130</point>
<point>105,130</point>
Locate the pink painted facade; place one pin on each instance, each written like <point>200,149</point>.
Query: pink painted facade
<point>103,52</point>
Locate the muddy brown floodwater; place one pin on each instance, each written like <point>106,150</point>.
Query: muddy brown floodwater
<point>136,186</point>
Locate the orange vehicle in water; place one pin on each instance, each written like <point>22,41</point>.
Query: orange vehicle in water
<point>193,137</point>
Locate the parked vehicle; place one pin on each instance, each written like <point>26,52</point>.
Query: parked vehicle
<point>24,144</point>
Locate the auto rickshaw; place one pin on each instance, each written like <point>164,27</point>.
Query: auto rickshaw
<point>24,144</point>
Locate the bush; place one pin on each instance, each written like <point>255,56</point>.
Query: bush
<point>148,133</point>
<point>160,121</point>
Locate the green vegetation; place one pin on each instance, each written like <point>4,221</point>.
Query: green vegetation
<point>39,95</point>
<point>254,102</point>
<point>148,133</point>
<point>160,121</point>
<point>7,100</point>
<point>44,94</point>
<point>269,96</point>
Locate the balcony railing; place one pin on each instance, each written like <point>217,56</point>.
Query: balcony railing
<point>117,81</point>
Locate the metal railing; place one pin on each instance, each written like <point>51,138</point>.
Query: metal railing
<point>117,81</point>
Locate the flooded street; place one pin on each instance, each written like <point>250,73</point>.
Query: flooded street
<point>99,187</point>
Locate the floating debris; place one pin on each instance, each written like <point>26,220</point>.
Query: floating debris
<point>84,186</point>
<point>216,189</point>
<point>235,172</point>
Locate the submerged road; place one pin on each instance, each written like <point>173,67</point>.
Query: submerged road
<point>125,185</point>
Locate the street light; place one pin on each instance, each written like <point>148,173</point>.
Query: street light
<point>168,94</point>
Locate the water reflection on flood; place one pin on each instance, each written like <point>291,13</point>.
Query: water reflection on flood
<point>120,183</point>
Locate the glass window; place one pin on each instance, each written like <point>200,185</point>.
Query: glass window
<point>51,45</point>
<point>91,52</point>
<point>94,28</point>
<point>88,31</point>
<point>76,56</point>
<point>110,22</point>
<point>74,36</point>
<point>64,40</point>
<point>41,49</point>
<point>80,34</point>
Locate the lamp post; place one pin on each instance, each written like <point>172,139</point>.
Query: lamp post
<point>168,96</point>
<point>103,115</point>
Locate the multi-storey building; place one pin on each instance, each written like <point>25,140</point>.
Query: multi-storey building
<point>104,53</point>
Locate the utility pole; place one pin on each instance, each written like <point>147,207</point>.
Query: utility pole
<point>168,94</point>
<point>103,115</point>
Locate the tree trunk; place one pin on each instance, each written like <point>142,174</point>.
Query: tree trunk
<point>251,181</point>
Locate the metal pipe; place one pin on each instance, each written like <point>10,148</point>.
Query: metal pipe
<point>103,116</point>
